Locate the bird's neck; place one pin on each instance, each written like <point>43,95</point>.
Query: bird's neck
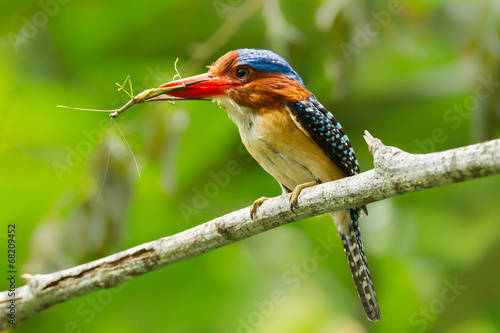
<point>242,116</point>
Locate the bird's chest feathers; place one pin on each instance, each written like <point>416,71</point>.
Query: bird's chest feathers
<point>257,129</point>
<point>244,118</point>
<point>278,145</point>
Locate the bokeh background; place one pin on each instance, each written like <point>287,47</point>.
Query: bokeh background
<point>420,75</point>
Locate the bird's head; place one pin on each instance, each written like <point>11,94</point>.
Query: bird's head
<point>252,78</point>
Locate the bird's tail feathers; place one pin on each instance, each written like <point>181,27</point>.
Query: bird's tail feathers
<point>353,248</point>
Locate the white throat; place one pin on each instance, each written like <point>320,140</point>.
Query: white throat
<point>243,117</point>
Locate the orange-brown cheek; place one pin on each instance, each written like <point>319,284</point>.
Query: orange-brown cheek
<point>245,97</point>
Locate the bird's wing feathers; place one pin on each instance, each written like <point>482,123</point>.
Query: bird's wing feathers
<point>320,125</point>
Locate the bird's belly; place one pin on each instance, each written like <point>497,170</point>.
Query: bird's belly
<point>290,156</point>
<point>285,168</point>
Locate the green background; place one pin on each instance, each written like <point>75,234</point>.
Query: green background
<point>410,76</point>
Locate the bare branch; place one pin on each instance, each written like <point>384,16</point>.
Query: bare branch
<point>396,172</point>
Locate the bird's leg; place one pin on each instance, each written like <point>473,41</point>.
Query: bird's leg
<point>296,192</point>
<point>256,205</point>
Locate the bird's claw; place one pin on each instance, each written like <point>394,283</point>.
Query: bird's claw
<point>294,201</point>
<point>294,198</point>
<point>256,205</point>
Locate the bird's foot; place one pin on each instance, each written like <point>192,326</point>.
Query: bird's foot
<point>256,205</point>
<point>296,192</point>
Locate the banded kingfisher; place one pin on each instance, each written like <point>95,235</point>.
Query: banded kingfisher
<point>291,135</point>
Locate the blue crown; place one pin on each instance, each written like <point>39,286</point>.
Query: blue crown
<point>265,60</point>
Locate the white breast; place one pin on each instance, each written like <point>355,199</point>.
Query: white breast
<point>243,117</point>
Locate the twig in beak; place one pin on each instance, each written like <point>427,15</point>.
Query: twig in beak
<point>149,95</point>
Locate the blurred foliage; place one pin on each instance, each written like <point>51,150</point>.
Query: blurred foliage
<point>410,72</point>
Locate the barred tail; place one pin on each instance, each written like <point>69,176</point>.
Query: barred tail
<point>353,248</point>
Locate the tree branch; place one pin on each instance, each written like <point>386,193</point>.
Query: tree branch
<point>396,172</point>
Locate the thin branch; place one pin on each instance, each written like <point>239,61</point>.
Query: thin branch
<point>396,172</point>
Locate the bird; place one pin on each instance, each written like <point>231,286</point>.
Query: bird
<point>290,134</point>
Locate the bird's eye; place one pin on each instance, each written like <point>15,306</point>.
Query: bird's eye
<point>242,72</point>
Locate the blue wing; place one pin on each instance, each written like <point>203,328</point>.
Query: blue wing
<point>322,127</point>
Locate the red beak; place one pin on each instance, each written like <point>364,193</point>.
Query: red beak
<point>200,86</point>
